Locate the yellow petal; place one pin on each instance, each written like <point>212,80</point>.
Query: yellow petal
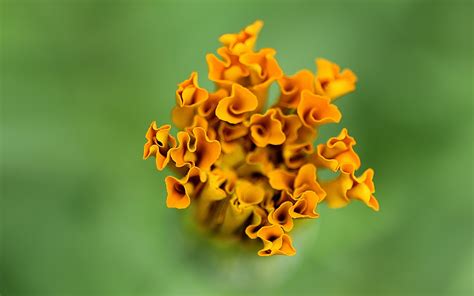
<point>266,129</point>
<point>236,107</point>
<point>244,40</point>
<point>292,86</point>
<point>337,152</point>
<point>159,142</point>
<point>306,180</point>
<point>281,216</point>
<point>331,82</point>
<point>259,218</point>
<point>195,149</point>
<point>315,110</point>
<point>189,94</point>
<point>179,191</point>
<point>305,206</point>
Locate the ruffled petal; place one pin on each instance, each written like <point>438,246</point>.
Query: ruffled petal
<point>243,41</point>
<point>331,82</point>
<point>282,217</point>
<point>263,70</point>
<point>179,192</point>
<point>259,219</point>
<point>271,237</point>
<point>347,186</point>
<point>337,152</point>
<point>305,206</point>
<point>306,180</point>
<point>195,149</point>
<point>290,125</point>
<point>292,86</point>
<point>159,142</point>
<point>189,94</point>
<point>236,107</point>
<point>266,129</point>
<point>315,110</point>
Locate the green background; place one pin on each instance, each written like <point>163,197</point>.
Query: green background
<point>83,214</point>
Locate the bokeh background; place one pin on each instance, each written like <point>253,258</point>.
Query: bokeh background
<point>83,214</point>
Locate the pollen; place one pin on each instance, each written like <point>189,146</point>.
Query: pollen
<point>248,170</point>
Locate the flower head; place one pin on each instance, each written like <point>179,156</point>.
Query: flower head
<point>249,172</point>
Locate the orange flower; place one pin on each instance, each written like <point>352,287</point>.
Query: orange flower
<point>248,173</point>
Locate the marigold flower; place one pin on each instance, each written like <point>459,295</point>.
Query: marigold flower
<point>249,173</point>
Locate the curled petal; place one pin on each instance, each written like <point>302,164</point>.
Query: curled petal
<point>291,124</point>
<point>305,206</point>
<point>306,180</point>
<point>262,66</point>
<point>281,216</point>
<point>286,248</point>
<point>201,122</point>
<point>189,94</point>
<point>159,142</point>
<point>346,187</point>
<point>292,86</point>
<point>236,107</point>
<point>263,71</point>
<point>243,41</point>
<point>195,149</point>
<point>207,108</point>
<point>295,154</point>
<point>337,152</point>
<point>266,129</point>
<point>271,238</point>
<point>259,219</point>
<point>331,82</point>
<point>179,192</point>
<point>363,189</point>
<point>281,179</point>
<point>227,71</point>
<point>315,110</point>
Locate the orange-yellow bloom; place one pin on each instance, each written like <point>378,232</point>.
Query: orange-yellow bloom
<point>246,171</point>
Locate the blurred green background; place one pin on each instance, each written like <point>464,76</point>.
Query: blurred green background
<point>83,214</point>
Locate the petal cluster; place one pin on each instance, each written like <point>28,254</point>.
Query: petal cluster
<point>251,172</point>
